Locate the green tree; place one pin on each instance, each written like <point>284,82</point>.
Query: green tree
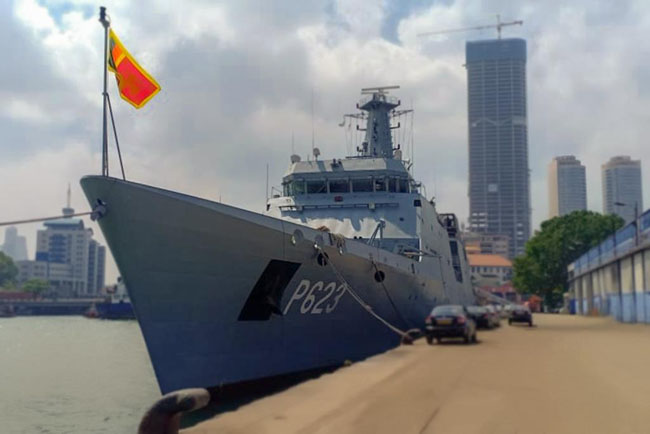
<point>8,270</point>
<point>36,286</point>
<point>542,270</point>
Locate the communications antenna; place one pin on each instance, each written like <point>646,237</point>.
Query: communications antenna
<point>312,121</point>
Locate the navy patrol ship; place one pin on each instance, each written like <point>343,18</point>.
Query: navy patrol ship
<point>349,256</point>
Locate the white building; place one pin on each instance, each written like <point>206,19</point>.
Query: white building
<point>14,245</point>
<point>489,270</point>
<point>67,257</point>
<point>622,191</point>
<point>567,186</point>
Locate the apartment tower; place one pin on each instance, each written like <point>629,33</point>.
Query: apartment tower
<point>622,191</point>
<point>567,186</point>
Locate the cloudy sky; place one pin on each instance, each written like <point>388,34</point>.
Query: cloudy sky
<point>238,78</point>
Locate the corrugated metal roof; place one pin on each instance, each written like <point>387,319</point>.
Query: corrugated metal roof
<point>486,260</point>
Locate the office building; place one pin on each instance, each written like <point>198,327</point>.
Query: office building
<point>67,257</point>
<point>622,189</point>
<point>14,245</point>
<point>567,186</point>
<point>499,187</point>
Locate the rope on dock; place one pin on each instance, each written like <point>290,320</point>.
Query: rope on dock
<point>406,337</point>
<point>43,219</point>
<point>390,299</point>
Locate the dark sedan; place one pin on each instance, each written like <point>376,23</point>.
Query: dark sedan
<point>521,314</point>
<point>450,321</point>
<point>481,316</point>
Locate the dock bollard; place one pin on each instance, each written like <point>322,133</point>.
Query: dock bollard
<point>164,417</point>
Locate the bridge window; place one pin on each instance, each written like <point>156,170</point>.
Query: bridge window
<point>316,186</point>
<point>339,186</point>
<point>380,184</point>
<point>392,185</point>
<point>293,188</point>
<point>362,185</point>
<point>398,185</point>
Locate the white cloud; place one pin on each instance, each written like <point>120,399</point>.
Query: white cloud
<point>21,110</point>
<point>34,15</point>
<point>363,18</point>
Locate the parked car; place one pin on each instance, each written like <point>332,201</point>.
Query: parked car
<point>481,316</point>
<point>521,314</point>
<point>450,321</point>
<point>504,312</point>
<point>495,318</point>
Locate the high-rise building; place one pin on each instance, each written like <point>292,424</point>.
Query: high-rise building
<point>14,245</point>
<point>499,187</point>
<point>67,257</point>
<point>622,191</point>
<point>567,186</point>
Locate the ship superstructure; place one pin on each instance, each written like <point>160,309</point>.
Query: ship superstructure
<point>347,255</point>
<point>371,196</point>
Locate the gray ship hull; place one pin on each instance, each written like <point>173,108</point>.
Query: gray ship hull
<point>224,295</point>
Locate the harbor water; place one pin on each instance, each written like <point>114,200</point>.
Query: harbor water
<point>73,375</point>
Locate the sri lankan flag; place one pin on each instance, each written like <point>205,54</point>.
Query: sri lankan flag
<point>136,86</point>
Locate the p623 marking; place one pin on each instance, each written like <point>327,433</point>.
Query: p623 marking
<point>317,298</point>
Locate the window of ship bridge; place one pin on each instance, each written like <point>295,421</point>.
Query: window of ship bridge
<point>316,186</point>
<point>294,188</point>
<point>398,185</point>
<point>362,185</point>
<point>339,186</point>
<point>380,183</point>
<point>392,185</point>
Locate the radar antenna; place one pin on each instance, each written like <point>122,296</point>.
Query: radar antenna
<point>379,89</point>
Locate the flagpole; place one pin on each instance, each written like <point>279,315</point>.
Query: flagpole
<point>106,23</point>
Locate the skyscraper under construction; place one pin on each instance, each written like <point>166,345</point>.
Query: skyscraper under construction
<point>499,184</point>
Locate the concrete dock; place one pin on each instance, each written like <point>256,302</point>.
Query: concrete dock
<point>569,374</point>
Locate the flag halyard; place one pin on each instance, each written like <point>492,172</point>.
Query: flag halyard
<point>136,85</point>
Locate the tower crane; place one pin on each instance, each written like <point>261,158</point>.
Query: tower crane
<point>499,25</point>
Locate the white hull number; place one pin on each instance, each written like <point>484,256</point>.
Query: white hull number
<point>317,298</point>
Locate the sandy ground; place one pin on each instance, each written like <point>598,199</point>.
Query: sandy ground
<point>566,375</point>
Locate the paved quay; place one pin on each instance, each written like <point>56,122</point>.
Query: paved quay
<point>569,374</point>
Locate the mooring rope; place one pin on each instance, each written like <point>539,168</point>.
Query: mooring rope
<point>43,219</point>
<point>390,299</point>
<point>358,299</point>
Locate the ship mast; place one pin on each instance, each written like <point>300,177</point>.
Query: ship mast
<point>378,141</point>
<point>378,110</point>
